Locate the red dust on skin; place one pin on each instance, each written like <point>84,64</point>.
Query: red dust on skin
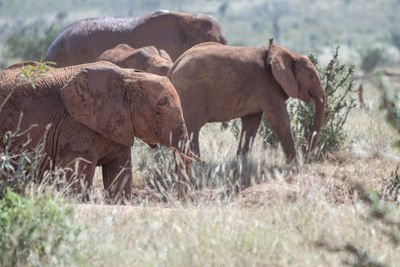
<point>149,58</point>
<point>173,32</point>
<point>95,110</point>
<point>219,82</point>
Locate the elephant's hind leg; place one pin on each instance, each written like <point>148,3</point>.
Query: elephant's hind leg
<point>117,177</point>
<point>250,124</point>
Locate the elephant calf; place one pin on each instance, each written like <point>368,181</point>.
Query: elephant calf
<point>218,82</point>
<point>95,111</point>
<point>148,59</point>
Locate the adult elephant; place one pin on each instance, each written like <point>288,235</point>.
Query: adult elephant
<point>218,83</point>
<point>85,40</point>
<point>148,58</point>
<point>95,111</point>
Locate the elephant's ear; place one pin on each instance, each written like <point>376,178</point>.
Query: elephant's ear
<point>97,98</point>
<point>282,68</point>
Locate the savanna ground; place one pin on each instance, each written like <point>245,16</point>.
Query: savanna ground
<point>305,215</point>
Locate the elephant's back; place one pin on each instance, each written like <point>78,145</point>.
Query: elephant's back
<point>215,55</point>
<point>11,79</point>
<point>85,40</point>
<point>46,85</point>
<point>214,63</point>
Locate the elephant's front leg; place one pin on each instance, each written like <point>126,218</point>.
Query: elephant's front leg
<point>117,177</point>
<point>278,119</point>
<point>79,172</point>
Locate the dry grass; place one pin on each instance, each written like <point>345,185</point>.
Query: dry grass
<point>282,233</point>
<point>275,223</point>
<point>259,211</point>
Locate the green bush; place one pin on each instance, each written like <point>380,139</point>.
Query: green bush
<point>30,42</point>
<point>36,232</point>
<point>390,103</point>
<point>396,38</point>
<point>372,58</point>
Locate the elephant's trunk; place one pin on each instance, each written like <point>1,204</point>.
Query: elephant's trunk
<point>180,145</point>
<point>319,104</point>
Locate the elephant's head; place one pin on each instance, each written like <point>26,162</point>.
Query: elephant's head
<point>299,78</point>
<point>206,29</point>
<point>148,59</point>
<point>190,30</point>
<point>120,104</point>
<point>176,32</point>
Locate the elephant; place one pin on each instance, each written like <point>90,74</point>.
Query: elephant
<point>95,111</point>
<point>148,58</point>
<point>83,41</point>
<point>217,83</point>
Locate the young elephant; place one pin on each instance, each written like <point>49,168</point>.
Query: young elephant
<point>148,58</point>
<point>218,83</point>
<point>95,111</point>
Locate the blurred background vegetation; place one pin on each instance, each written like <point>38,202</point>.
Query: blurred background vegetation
<point>367,31</point>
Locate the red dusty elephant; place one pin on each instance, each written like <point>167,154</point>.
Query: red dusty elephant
<point>95,111</point>
<point>218,82</point>
<point>85,40</point>
<point>148,58</point>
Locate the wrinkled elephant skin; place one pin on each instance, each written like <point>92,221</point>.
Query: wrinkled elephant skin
<point>148,59</point>
<point>95,111</point>
<point>217,83</point>
<point>174,32</point>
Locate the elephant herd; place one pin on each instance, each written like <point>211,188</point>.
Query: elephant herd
<point>159,78</point>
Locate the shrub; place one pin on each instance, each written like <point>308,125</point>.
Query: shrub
<point>396,38</point>
<point>390,103</point>
<point>36,232</point>
<point>372,58</point>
